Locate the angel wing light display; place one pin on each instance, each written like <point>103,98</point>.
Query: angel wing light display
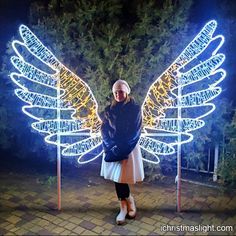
<point>74,96</point>
<point>77,97</point>
<point>166,93</point>
<point>167,118</point>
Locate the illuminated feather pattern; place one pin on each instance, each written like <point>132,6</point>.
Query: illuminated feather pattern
<point>76,97</point>
<point>162,96</point>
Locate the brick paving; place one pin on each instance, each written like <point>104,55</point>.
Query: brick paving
<point>89,207</point>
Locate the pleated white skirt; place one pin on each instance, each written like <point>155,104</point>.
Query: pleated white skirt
<point>127,171</point>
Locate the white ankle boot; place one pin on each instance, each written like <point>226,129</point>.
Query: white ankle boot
<point>131,207</point>
<point>120,219</point>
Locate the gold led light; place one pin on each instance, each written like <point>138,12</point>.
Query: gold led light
<point>80,97</point>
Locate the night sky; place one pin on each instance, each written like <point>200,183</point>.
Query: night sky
<point>12,14</point>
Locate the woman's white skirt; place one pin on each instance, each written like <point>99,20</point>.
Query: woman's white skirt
<point>127,171</point>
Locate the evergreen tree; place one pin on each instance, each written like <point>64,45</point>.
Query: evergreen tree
<point>227,167</point>
<point>103,41</point>
<point>195,154</point>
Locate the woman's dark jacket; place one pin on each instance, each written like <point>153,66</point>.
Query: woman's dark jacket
<point>121,129</point>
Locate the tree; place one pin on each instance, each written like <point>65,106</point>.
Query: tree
<point>212,134</point>
<point>103,41</point>
<point>227,167</point>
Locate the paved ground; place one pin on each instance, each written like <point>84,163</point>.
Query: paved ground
<point>89,207</point>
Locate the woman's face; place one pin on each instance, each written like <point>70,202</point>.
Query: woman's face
<point>120,95</point>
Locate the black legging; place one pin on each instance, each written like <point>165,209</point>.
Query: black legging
<point>122,191</point>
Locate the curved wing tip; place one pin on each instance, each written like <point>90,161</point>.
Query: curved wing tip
<point>219,89</point>
<point>23,27</point>
<point>12,74</point>
<point>14,58</point>
<point>222,55</point>
<point>213,21</point>
<point>19,91</point>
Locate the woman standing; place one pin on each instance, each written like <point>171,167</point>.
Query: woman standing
<point>122,162</point>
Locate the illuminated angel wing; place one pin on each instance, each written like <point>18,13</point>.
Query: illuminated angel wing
<point>178,100</point>
<point>59,101</point>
